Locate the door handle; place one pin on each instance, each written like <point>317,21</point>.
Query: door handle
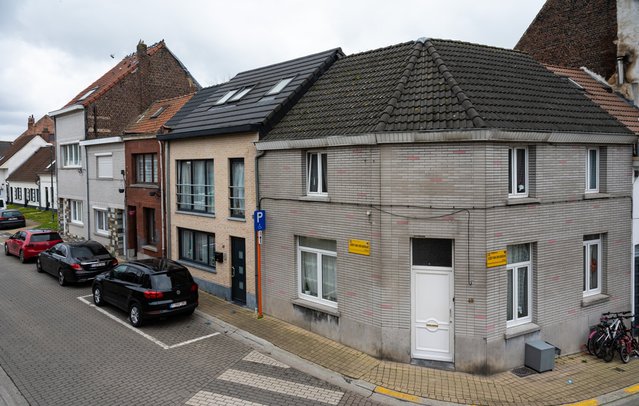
<point>232,271</point>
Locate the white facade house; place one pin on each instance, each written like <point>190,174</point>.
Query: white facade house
<point>32,143</point>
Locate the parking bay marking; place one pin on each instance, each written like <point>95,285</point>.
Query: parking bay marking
<point>143,334</point>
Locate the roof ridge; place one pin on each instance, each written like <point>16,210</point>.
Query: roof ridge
<point>399,88</point>
<point>465,102</point>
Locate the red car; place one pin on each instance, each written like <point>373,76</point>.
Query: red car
<point>28,244</point>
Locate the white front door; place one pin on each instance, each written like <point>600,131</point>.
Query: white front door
<point>432,300</point>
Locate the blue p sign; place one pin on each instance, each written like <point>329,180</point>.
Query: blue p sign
<point>259,220</point>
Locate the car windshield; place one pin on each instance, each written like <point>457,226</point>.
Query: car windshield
<point>88,251</point>
<point>11,213</point>
<point>45,237</point>
<point>167,281</point>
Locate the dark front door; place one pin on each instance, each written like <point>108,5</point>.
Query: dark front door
<point>238,270</point>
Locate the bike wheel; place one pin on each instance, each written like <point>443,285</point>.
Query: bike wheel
<point>591,344</point>
<point>624,354</point>
<point>608,353</point>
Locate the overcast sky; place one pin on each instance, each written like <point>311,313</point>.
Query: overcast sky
<point>53,49</point>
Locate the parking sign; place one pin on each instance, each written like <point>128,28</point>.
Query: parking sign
<point>259,220</point>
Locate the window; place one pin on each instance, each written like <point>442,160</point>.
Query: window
<point>519,271</point>
<point>317,270</point>
<point>76,211</point>
<point>237,96</point>
<point>279,86</point>
<point>518,172</point>
<point>88,93</point>
<point>236,188</point>
<point>149,226</point>
<point>226,97</point>
<point>198,247</point>
<point>195,187</point>
<point>317,167</point>
<point>71,155</point>
<point>101,221</point>
<point>146,168</point>
<point>158,112</point>
<point>18,193</point>
<point>104,164</point>
<point>592,170</point>
<point>592,265</point>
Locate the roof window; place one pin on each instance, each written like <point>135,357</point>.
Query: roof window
<point>87,94</point>
<point>237,96</point>
<point>226,97</point>
<point>158,112</point>
<point>279,86</point>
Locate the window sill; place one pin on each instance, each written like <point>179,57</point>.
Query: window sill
<point>102,233</point>
<point>594,299</point>
<point>523,329</point>
<point>195,213</point>
<point>72,167</point>
<point>150,248</point>
<point>588,196</point>
<point>195,265</point>
<point>77,223</point>
<point>513,201</point>
<point>318,198</point>
<point>241,220</point>
<point>316,306</point>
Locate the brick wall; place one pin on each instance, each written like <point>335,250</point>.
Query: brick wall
<point>421,188</point>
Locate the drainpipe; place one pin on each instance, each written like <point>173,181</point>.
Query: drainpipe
<point>167,156</point>
<point>162,189</point>
<point>88,211</point>
<point>258,257</point>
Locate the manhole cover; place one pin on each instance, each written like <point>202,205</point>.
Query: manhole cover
<point>523,371</point>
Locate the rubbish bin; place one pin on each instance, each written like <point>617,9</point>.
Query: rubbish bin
<point>539,356</point>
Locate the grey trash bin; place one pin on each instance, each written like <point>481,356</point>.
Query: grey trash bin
<point>540,356</point>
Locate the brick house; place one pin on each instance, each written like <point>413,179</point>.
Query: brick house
<point>210,172</point>
<point>90,149</point>
<point>144,180</point>
<point>446,202</point>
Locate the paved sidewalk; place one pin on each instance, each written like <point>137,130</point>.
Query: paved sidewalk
<point>579,378</point>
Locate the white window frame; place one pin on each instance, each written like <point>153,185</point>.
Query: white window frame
<point>589,170</point>
<point>100,212</point>
<point>75,209</point>
<point>279,86</point>
<point>320,173</point>
<point>514,267</point>
<point>71,160</point>
<point>301,290</point>
<point>106,174</point>
<point>587,289</point>
<point>513,165</point>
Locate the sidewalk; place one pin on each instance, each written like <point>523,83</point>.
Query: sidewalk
<point>578,378</point>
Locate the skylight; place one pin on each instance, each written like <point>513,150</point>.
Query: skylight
<point>158,112</point>
<point>226,97</point>
<point>241,93</point>
<point>279,86</point>
<point>87,94</point>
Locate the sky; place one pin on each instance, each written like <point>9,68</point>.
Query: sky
<point>53,49</point>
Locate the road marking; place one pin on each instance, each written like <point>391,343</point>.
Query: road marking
<point>632,389</point>
<point>260,358</point>
<point>589,402</point>
<point>281,386</point>
<point>143,334</point>
<point>398,395</point>
<point>204,398</point>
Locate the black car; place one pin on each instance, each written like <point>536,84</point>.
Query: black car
<point>79,261</point>
<point>10,218</point>
<point>147,288</point>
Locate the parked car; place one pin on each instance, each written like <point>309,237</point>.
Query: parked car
<point>147,288</point>
<point>75,262</point>
<point>28,244</point>
<point>10,218</point>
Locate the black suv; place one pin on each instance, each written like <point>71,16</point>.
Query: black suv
<point>147,288</point>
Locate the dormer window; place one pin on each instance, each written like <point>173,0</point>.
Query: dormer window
<point>226,97</point>
<point>279,86</point>
<point>87,94</point>
<point>237,96</point>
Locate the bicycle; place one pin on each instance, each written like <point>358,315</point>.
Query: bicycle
<point>602,340</point>
<point>627,345</point>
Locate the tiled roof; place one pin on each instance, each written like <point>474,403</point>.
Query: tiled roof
<point>150,122</point>
<point>440,85</point>
<point>16,146</point>
<point>36,164</point>
<point>4,145</point>
<point>603,95</point>
<point>44,127</point>
<point>112,77</point>
<point>255,111</point>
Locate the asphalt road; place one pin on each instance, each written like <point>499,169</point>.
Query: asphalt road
<point>59,349</point>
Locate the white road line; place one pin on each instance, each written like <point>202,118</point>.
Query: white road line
<point>204,398</point>
<point>143,334</point>
<point>281,386</point>
<point>260,358</point>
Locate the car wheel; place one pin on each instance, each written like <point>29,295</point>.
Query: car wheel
<point>61,279</point>
<point>135,315</point>
<point>21,255</point>
<point>6,249</point>
<point>97,296</point>
<point>38,265</point>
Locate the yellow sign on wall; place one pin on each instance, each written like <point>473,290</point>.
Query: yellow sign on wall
<point>361,247</point>
<point>496,258</point>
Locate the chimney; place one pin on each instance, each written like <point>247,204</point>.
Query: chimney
<point>30,123</point>
<point>143,71</point>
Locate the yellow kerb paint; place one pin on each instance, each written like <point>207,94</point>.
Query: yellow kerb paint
<point>398,395</point>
